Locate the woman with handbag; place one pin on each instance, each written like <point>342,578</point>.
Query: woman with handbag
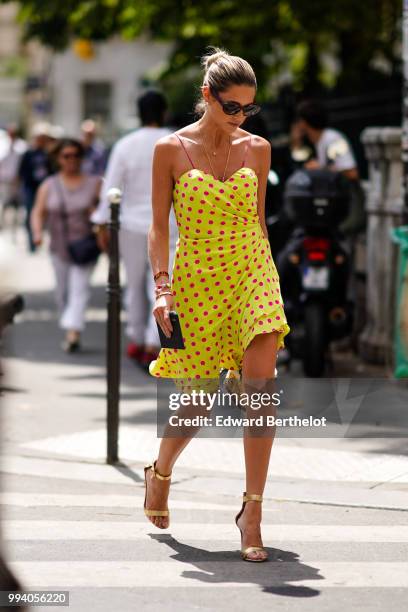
<point>224,285</point>
<point>65,202</point>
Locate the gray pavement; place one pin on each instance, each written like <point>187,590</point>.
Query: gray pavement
<point>334,522</point>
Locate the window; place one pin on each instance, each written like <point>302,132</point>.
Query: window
<point>97,101</point>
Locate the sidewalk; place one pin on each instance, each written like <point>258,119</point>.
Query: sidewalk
<point>334,508</point>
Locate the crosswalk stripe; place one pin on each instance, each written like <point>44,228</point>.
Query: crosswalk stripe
<point>29,500</point>
<point>43,574</point>
<point>299,490</point>
<point>110,530</point>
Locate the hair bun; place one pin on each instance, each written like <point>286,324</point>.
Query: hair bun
<point>214,56</point>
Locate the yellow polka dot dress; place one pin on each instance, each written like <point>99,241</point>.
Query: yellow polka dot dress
<point>224,280</point>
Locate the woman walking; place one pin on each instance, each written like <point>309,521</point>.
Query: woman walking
<point>224,285</point>
<point>65,202</point>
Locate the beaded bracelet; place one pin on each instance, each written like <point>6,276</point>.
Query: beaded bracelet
<point>162,272</point>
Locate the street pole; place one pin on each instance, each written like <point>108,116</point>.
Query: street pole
<point>113,329</point>
<point>405,110</point>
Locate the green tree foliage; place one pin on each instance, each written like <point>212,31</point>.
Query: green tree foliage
<point>274,35</point>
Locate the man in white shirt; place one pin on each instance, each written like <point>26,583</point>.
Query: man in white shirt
<point>130,169</point>
<point>332,147</point>
<point>333,151</point>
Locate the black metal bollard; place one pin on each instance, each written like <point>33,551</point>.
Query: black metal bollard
<point>113,329</point>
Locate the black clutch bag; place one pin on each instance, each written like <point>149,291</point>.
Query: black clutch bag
<point>176,339</point>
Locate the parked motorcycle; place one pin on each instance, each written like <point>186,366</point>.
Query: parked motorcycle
<point>314,266</point>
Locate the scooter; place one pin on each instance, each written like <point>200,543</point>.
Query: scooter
<point>314,267</point>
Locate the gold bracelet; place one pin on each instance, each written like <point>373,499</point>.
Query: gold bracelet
<point>162,286</point>
<point>164,293</point>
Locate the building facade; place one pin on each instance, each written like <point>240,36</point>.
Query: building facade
<point>103,84</point>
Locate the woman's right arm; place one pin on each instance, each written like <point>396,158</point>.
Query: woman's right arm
<point>158,235</point>
<point>39,213</point>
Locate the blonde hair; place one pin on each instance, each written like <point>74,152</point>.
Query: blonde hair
<point>221,70</point>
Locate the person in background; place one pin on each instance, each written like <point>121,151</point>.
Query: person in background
<point>130,169</point>
<point>315,145</point>
<point>78,194</point>
<point>332,147</point>
<point>55,134</point>
<point>95,156</point>
<point>10,157</point>
<point>333,151</point>
<point>35,166</point>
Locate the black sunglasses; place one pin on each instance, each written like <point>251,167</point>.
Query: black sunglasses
<point>233,108</point>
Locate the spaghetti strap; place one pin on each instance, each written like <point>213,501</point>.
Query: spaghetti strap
<point>191,162</point>
<point>246,150</point>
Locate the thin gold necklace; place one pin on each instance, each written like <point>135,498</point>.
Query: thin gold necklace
<point>209,159</point>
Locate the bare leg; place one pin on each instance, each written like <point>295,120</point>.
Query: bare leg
<point>258,363</point>
<point>169,451</point>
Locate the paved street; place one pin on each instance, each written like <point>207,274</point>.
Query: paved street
<point>335,516</point>
<point>91,537</point>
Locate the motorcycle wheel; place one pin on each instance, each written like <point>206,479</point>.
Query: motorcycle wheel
<point>315,340</point>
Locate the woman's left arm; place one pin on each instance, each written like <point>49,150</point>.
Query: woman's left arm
<point>264,156</point>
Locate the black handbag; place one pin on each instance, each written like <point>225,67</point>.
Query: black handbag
<point>83,250</point>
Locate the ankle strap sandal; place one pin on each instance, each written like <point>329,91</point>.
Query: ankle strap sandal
<point>154,474</point>
<point>245,552</point>
<point>252,497</point>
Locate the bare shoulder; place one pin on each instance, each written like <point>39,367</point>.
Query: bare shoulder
<point>258,143</point>
<point>260,152</point>
<point>170,142</point>
<point>166,147</point>
<point>261,143</point>
<point>165,144</point>
<point>48,180</point>
<point>168,150</point>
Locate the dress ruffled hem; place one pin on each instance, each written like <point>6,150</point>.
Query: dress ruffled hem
<point>284,329</point>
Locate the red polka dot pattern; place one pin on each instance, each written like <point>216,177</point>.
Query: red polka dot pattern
<point>224,280</point>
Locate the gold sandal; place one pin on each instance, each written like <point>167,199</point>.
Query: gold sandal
<point>154,474</point>
<point>246,551</point>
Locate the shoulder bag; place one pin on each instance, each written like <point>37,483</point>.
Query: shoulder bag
<point>83,250</point>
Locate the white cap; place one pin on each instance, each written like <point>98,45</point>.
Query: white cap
<point>56,131</point>
<point>42,128</point>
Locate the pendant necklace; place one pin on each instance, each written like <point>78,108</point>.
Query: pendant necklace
<point>209,159</point>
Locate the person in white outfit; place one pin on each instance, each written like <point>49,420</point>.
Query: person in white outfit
<point>130,169</point>
<point>12,149</point>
